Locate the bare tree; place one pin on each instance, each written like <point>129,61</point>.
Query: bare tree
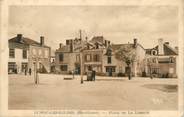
<point>127,54</point>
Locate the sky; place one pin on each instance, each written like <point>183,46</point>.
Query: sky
<point>119,24</point>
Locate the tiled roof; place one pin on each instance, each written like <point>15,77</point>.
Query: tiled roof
<point>63,49</point>
<point>168,50</point>
<point>117,46</point>
<point>97,38</point>
<point>26,41</point>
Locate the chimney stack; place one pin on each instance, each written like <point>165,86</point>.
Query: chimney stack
<point>19,37</point>
<point>160,47</point>
<point>71,45</point>
<point>41,40</point>
<point>60,45</point>
<point>135,42</point>
<point>176,48</point>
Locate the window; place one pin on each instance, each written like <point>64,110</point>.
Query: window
<point>12,67</point>
<point>154,52</point>
<point>63,67</point>
<point>46,53</point>
<point>172,60</point>
<point>77,58</point>
<point>24,67</point>
<point>34,51</point>
<point>39,52</point>
<point>88,57</point>
<point>109,59</point>
<point>110,69</point>
<point>96,58</point>
<point>61,57</point>
<point>12,53</point>
<point>24,54</point>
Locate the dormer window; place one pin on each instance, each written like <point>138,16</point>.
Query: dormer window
<point>153,52</point>
<point>109,52</point>
<point>171,60</point>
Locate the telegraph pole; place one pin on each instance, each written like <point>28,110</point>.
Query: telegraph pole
<point>80,34</point>
<point>36,72</point>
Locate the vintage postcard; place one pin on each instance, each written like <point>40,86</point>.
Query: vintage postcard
<point>91,58</point>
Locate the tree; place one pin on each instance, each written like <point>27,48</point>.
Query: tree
<point>127,54</point>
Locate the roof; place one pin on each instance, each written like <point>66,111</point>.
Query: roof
<point>168,50</point>
<point>118,46</point>
<point>64,48</point>
<point>97,38</point>
<point>26,41</point>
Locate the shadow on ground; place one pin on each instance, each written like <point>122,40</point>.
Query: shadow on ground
<point>162,87</point>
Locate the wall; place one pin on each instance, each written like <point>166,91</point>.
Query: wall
<point>41,52</point>
<point>19,58</point>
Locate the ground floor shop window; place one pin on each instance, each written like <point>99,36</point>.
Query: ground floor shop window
<point>12,68</point>
<point>64,67</point>
<point>24,67</point>
<point>110,69</point>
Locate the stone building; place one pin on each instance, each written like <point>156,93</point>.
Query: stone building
<point>93,54</point>
<point>114,67</point>
<point>162,60</point>
<point>24,53</point>
<point>68,56</point>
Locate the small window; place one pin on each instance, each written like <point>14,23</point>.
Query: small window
<point>154,52</point>
<point>12,53</point>
<point>78,58</point>
<point>96,58</point>
<point>24,54</point>
<point>61,57</point>
<point>109,59</point>
<point>88,57</point>
<point>172,60</point>
<point>64,67</point>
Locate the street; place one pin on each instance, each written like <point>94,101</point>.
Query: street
<point>106,93</point>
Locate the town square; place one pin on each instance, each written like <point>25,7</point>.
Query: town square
<point>93,58</point>
<point>53,92</point>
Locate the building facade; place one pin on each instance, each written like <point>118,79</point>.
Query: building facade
<point>162,60</point>
<point>114,67</point>
<point>25,54</point>
<point>99,54</point>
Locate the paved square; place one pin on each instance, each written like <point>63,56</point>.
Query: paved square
<point>106,93</point>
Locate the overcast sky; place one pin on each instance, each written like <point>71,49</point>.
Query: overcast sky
<point>120,24</point>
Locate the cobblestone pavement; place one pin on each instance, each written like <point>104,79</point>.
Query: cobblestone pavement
<point>106,93</point>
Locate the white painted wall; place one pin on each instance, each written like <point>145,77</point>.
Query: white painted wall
<point>18,58</point>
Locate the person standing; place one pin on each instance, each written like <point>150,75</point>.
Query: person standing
<point>93,74</point>
<point>30,71</point>
<point>25,72</point>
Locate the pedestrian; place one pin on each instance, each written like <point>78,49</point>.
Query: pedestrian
<point>25,72</point>
<point>30,71</point>
<point>93,75</point>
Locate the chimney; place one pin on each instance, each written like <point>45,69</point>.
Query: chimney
<point>109,43</point>
<point>60,45</point>
<point>86,38</point>
<point>176,48</point>
<point>19,37</point>
<point>41,40</point>
<point>71,45</point>
<point>167,43</point>
<point>135,42</point>
<point>160,47</point>
<point>105,43</point>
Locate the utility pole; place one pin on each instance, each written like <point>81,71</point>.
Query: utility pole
<point>80,34</point>
<point>36,72</point>
<point>81,63</point>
